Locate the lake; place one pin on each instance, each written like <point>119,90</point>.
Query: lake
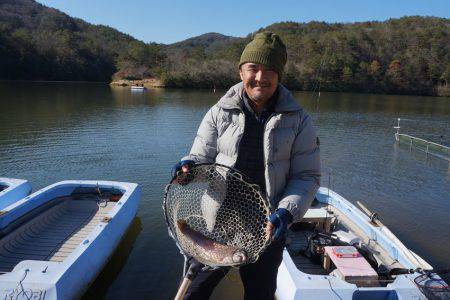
<point>55,131</point>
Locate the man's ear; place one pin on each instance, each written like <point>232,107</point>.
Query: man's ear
<point>240,74</point>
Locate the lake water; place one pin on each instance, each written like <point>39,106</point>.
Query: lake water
<point>56,131</point>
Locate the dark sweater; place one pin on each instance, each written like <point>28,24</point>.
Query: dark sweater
<point>250,160</point>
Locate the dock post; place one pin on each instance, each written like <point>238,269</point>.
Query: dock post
<point>398,130</point>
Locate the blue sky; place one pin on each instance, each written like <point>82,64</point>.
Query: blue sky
<point>167,21</point>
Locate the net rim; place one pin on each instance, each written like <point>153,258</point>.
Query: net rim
<point>244,178</point>
<point>426,275</point>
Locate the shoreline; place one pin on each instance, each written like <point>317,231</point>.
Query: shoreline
<point>156,83</point>
<point>148,83</point>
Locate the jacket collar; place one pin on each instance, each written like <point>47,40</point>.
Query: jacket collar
<point>233,99</point>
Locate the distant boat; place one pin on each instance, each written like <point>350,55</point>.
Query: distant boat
<point>138,88</point>
<point>12,190</point>
<point>338,251</point>
<point>56,241</point>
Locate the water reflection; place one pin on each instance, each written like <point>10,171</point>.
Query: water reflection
<point>370,103</point>
<point>56,131</point>
<point>117,261</point>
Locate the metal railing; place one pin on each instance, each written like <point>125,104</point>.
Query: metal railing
<point>428,147</point>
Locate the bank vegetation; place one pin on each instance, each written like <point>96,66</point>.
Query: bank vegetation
<point>410,55</point>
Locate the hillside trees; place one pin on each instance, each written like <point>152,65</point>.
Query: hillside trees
<point>409,55</point>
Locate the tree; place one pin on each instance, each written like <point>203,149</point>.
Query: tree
<point>375,69</point>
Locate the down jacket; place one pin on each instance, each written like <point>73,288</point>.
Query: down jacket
<point>291,152</point>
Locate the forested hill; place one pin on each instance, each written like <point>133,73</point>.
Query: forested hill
<point>410,55</point>
<point>37,42</point>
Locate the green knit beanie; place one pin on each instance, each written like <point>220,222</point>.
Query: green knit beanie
<point>267,49</point>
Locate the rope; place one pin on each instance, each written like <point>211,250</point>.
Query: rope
<point>19,289</point>
<point>331,287</point>
<point>101,200</point>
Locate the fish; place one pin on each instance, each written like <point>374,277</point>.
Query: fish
<point>211,251</point>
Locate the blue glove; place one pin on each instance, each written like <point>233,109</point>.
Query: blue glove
<point>280,219</point>
<point>177,166</point>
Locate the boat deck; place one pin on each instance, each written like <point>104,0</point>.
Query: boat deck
<point>297,242</point>
<point>54,233</point>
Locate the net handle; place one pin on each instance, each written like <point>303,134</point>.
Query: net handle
<point>185,284</point>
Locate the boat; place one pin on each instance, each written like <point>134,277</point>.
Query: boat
<point>55,242</point>
<point>12,190</point>
<point>338,251</point>
<point>138,88</point>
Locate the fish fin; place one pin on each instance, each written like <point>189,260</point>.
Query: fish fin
<point>182,224</point>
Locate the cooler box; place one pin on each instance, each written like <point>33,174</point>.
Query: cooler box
<point>350,265</point>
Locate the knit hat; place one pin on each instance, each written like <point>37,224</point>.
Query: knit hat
<point>267,49</point>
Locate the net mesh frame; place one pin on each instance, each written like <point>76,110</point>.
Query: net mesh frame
<point>433,285</point>
<point>221,204</point>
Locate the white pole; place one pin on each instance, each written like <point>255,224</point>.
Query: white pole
<point>398,130</point>
<point>183,289</point>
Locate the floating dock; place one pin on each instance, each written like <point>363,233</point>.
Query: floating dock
<point>432,148</point>
<point>428,147</point>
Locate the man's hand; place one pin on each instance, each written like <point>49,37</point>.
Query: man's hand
<point>269,230</point>
<point>184,167</point>
<point>194,268</point>
<point>277,225</point>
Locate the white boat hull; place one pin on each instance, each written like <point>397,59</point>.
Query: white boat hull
<point>138,88</point>
<point>15,189</point>
<point>295,284</point>
<point>69,278</point>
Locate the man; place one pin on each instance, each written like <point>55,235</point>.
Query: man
<point>258,128</point>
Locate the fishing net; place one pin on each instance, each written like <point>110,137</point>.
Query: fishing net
<point>218,205</point>
<point>432,284</point>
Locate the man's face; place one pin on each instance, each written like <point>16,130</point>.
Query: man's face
<point>260,82</point>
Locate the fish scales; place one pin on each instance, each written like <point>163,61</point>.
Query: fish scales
<point>210,250</point>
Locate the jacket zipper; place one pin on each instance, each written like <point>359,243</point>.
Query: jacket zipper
<point>240,138</point>
<point>266,157</point>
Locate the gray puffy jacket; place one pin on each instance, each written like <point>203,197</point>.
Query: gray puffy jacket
<point>291,153</point>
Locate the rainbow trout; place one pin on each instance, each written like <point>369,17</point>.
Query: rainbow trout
<point>212,251</point>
